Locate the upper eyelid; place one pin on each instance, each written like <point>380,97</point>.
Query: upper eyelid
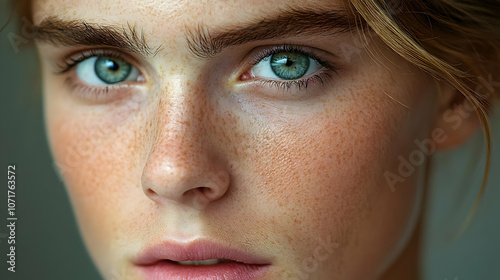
<point>75,57</point>
<point>311,52</point>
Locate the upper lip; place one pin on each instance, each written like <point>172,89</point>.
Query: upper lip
<point>199,249</point>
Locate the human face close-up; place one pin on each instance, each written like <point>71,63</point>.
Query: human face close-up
<point>233,130</point>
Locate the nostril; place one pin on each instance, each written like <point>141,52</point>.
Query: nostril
<point>209,193</point>
<point>152,195</point>
<point>150,192</point>
<point>183,187</point>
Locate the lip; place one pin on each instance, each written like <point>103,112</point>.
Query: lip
<point>158,262</point>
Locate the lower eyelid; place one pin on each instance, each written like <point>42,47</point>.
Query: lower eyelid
<point>294,87</point>
<point>98,93</point>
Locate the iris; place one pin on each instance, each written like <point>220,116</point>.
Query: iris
<point>112,70</point>
<point>289,66</point>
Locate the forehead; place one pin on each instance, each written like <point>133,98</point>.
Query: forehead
<point>173,15</point>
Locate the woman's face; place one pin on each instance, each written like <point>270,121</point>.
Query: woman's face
<point>261,132</point>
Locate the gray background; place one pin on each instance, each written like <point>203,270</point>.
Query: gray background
<point>49,245</point>
<point>48,242</point>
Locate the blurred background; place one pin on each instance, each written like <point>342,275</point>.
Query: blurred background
<point>48,245</point>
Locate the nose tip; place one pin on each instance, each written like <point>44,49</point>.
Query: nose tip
<point>193,187</point>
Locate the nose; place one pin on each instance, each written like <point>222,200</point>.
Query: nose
<point>183,166</point>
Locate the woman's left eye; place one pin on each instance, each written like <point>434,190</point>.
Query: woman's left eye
<point>106,70</point>
<point>285,66</point>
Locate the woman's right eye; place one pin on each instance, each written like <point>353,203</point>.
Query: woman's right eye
<point>106,70</point>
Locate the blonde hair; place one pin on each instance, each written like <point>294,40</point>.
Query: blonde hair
<point>455,41</point>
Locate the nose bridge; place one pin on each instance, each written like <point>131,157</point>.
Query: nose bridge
<point>180,120</point>
<point>181,165</point>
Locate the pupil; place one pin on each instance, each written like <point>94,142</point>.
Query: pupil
<point>111,65</point>
<point>289,62</point>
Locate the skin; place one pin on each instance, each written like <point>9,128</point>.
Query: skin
<point>194,151</point>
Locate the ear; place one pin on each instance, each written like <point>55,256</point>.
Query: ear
<point>456,120</point>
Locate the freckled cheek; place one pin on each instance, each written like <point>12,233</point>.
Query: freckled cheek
<point>308,175</point>
<point>95,162</point>
<point>323,175</point>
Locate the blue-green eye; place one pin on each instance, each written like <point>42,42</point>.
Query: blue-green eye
<point>289,66</point>
<point>286,66</point>
<point>106,70</point>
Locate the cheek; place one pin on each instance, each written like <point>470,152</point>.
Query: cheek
<point>320,175</point>
<point>98,156</point>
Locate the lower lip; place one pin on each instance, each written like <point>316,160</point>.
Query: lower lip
<point>221,271</point>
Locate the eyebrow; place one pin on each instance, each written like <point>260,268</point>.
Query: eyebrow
<point>202,42</point>
<point>74,32</point>
<point>292,22</point>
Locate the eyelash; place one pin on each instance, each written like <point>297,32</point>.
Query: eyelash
<point>301,83</point>
<point>71,61</point>
<point>95,92</point>
<point>98,92</point>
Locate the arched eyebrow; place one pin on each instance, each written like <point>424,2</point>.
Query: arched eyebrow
<point>202,42</point>
<point>205,43</point>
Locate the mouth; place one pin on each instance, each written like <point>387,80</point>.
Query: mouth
<point>204,262</point>
<point>198,260</point>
